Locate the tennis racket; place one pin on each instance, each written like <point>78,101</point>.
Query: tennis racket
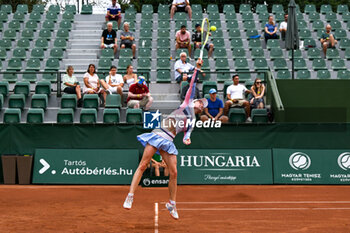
<point>204,35</point>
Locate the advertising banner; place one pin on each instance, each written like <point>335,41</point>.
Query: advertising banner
<point>297,166</point>
<point>84,166</point>
<point>248,166</point>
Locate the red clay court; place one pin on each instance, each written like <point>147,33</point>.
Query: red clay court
<point>225,208</point>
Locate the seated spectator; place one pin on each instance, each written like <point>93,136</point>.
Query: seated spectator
<point>139,95</point>
<point>114,82</point>
<point>283,27</point>
<point>127,39</point>
<point>328,39</point>
<point>180,6</point>
<point>130,76</point>
<point>92,83</point>
<point>257,93</point>
<point>235,97</point>
<point>197,94</point>
<point>114,13</point>
<point>70,84</point>
<point>197,40</point>
<point>270,30</point>
<point>183,39</point>
<point>109,38</point>
<point>157,163</point>
<point>182,68</point>
<point>215,109</point>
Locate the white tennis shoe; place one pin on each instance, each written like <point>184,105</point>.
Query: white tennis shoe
<point>172,210</point>
<point>128,202</point>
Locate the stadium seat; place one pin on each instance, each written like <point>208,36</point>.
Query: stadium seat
<point>165,8</point>
<point>54,9</point>
<point>259,116</point>
<point>236,43</point>
<point>14,64</point>
<point>163,64</point>
<point>207,85</point>
<point>346,18</point>
<point>56,53</point>
<point>143,64</point>
<point>166,15</point>
<point>19,16</point>
<point>51,16</point>
<point>17,101</point>
<point>39,101</point>
<point>314,16</point>
<point>52,64</point>
<point>317,24</point>
<point>277,8</point>
<point>22,8</point>
<point>19,53</point>
<point>113,101</point>
<point>219,43</point>
<point>123,63</point>
<point>12,116</point>
<point>330,16</point>
<point>341,9</point>
<point>335,24</point>
<point>147,8</point>
<point>22,87</point>
<point>4,88</point>
<point>212,8</point>
<point>146,24</point>
<point>69,101</point>
<point>343,74</point>
<point>309,8</point>
<point>7,8</point>
<point>197,53</point>
<point>325,8</point>
<point>220,53</point>
<point>6,44</point>
<point>63,33</point>
<point>30,76</point>
<point>303,74</point>
<point>314,53</point>
<point>276,53</point>
<point>344,44</point>
<point>69,16</point>
<point>71,8</point>
<point>195,8</point>
<point>50,75</point>
<point>232,25</point>
<point>146,43</point>
<point>111,116</point>
<point>42,43</point>
<point>180,16</point>
<point>88,116</point>
<point>304,33</point>
<point>147,53</point>
<point>260,64</point>
<point>14,25</point>
<point>309,43</point>
<point>33,64</point>
<point>65,115</point>
<point>238,53</point>
<point>241,64</point>
<point>261,8</point>
<point>3,17</point>
<point>163,33</point>
<point>257,53</point>
<point>221,64</point>
<point>147,16</point>
<point>340,34</point>
<point>35,16</point>
<point>10,76</point>
<point>134,115</point>
<point>237,115</point>
<point>251,33</point>
<point>91,101</point>
<point>163,76</point>
<point>263,17</point>
<point>299,64</point>
<point>3,54</point>
<point>22,43</point>
<point>280,64</point>
<point>254,43</point>
<point>107,53</point>
<point>65,24</point>
<point>218,34</point>
<point>228,8</point>
<point>297,54</point>
<point>279,17</point>
<point>10,34</point>
<point>145,33</point>
<point>125,53</point>
<point>338,64</point>
<point>319,64</point>
<point>245,8</point>
<point>48,24</point>
<point>164,24</point>
<point>347,54</point>
<point>86,9</point>
<point>28,34</point>
<point>104,64</point>
<point>249,25</point>
<point>323,74</point>
<point>39,8</point>
<point>283,74</point>
<point>332,54</point>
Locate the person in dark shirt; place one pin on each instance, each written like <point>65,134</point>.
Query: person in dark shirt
<point>197,41</point>
<point>114,13</point>
<point>215,109</point>
<point>109,38</point>
<point>328,39</point>
<point>270,30</point>
<point>184,89</point>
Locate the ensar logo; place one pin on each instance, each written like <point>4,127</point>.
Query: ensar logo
<point>151,120</point>
<point>147,182</point>
<point>344,161</point>
<point>299,161</point>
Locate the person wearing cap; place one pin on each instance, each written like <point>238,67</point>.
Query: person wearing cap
<point>197,41</point>
<point>215,108</point>
<point>180,6</point>
<point>139,95</point>
<point>235,97</point>
<point>160,141</point>
<point>183,39</point>
<point>182,68</point>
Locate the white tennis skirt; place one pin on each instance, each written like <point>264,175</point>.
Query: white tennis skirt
<point>158,142</point>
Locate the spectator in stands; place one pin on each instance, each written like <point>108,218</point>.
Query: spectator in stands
<point>157,163</point>
<point>328,39</point>
<point>215,108</point>
<point>114,82</point>
<point>283,27</point>
<point>127,39</point>
<point>257,93</point>
<point>235,97</point>
<point>92,83</point>
<point>270,29</point>
<point>183,39</point>
<point>182,68</point>
<point>139,95</point>
<point>114,13</point>
<point>197,40</point>
<point>130,76</point>
<point>197,94</point>
<point>180,6</point>
<point>70,84</point>
<point>109,38</point>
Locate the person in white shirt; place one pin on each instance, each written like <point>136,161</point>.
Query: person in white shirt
<point>235,97</point>
<point>92,83</point>
<point>114,82</point>
<point>283,27</point>
<point>70,84</point>
<point>182,68</point>
<point>180,6</point>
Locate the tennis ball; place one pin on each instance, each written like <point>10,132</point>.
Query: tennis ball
<point>213,28</point>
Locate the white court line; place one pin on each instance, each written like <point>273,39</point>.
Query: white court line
<point>156,217</point>
<point>258,209</point>
<point>264,202</point>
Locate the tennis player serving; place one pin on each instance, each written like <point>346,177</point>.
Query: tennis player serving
<point>160,141</point>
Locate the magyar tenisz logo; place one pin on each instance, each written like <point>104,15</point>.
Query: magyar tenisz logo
<point>299,161</point>
<point>344,161</point>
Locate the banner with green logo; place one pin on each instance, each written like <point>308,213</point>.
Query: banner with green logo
<point>84,166</point>
<point>293,166</point>
<point>224,166</point>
